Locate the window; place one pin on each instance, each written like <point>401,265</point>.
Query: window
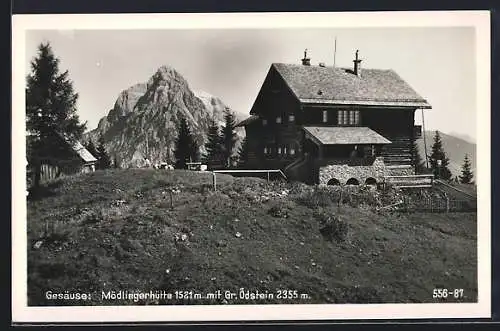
<point>278,119</point>
<point>279,150</point>
<point>284,150</point>
<point>264,122</point>
<point>291,118</point>
<point>340,117</point>
<point>356,117</point>
<point>348,117</point>
<point>325,116</point>
<point>265,150</point>
<point>292,151</point>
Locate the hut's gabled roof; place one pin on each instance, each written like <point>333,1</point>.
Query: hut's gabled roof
<point>322,84</point>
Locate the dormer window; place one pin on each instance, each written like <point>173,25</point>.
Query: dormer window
<point>325,116</point>
<point>264,122</point>
<point>278,120</point>
<point>291,118</point>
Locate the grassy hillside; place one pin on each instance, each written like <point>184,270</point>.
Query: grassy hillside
<point>116,230</point>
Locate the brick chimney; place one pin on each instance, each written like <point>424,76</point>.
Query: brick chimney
<point>357,65</point>
<point>306,61</point>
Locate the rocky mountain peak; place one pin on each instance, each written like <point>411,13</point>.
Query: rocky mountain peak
<point>143,122</point>
<point>166,76</point>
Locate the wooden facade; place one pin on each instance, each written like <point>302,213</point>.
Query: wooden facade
<point>294,97</point>
<point>72,158</point>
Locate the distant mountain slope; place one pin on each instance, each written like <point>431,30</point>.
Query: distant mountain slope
<point>454,147</point>
<point>144,120</point>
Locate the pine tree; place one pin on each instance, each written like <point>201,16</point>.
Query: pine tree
<point>243,153</point>
<point>186,149</point>
<point>214,146</point>
<point>467,175</point>
<point>50,110</point>
<point>228,135</point>
<point>439,171</point>
<point>418,164</point>
<point>103,160</point>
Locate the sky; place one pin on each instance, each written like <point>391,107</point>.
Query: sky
<point>438,62</point>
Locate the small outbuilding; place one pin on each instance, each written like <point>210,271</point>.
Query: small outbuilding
<point>72,158</point>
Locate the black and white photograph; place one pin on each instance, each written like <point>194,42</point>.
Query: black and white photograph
<point>251,166</point>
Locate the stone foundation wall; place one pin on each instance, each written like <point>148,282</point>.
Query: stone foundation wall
<point>343,172</point>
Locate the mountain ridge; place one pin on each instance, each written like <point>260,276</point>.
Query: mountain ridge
<point>454,147</point>
<point>144,119</point>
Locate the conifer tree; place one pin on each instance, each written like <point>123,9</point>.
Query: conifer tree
<point>228,135</point>
<point>438,154</point>
<point>103,160</point>
<point>243,153</point>
<point>418,164</point>
<point>214,146</point>
<point>50,110</point>
<point>467,175</point>
<point>186,149</point>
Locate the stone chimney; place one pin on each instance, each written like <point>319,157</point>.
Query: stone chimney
<point>357,65</point>
<point>306,61</point>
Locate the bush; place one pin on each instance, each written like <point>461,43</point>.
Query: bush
<point>332,227</point>
<point>318,197</point>
<point>279,210</point>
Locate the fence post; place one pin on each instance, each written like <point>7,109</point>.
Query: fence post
<point>214,181</point>
<point>268,176</point>
<point>447,202</point>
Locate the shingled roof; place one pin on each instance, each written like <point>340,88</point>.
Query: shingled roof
<point>78,148</point>
<point>321,84</point>
<point>248,120</point>
<point>345,135</point>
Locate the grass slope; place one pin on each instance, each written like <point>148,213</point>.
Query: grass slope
<point>115,230</point>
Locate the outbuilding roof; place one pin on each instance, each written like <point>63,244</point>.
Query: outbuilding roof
<point>78,148</point>
<point>326,84</point>
<point>327,135</point>
<point>248,120</point>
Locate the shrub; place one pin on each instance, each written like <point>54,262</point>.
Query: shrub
<point>318,197</point>
<point>332,227</point>
<point>279,210</point>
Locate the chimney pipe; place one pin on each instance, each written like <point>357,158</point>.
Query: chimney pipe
<point>357,65</point>
<point>306,61</point>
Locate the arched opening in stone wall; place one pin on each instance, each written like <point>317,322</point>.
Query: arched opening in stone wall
<point>371,181</point>
<point>352,181</point>
<point>333,181</point>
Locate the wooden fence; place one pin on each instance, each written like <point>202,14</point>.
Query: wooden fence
<point>263,171</point>
<point>438,205</point>
<point>413,181</point>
